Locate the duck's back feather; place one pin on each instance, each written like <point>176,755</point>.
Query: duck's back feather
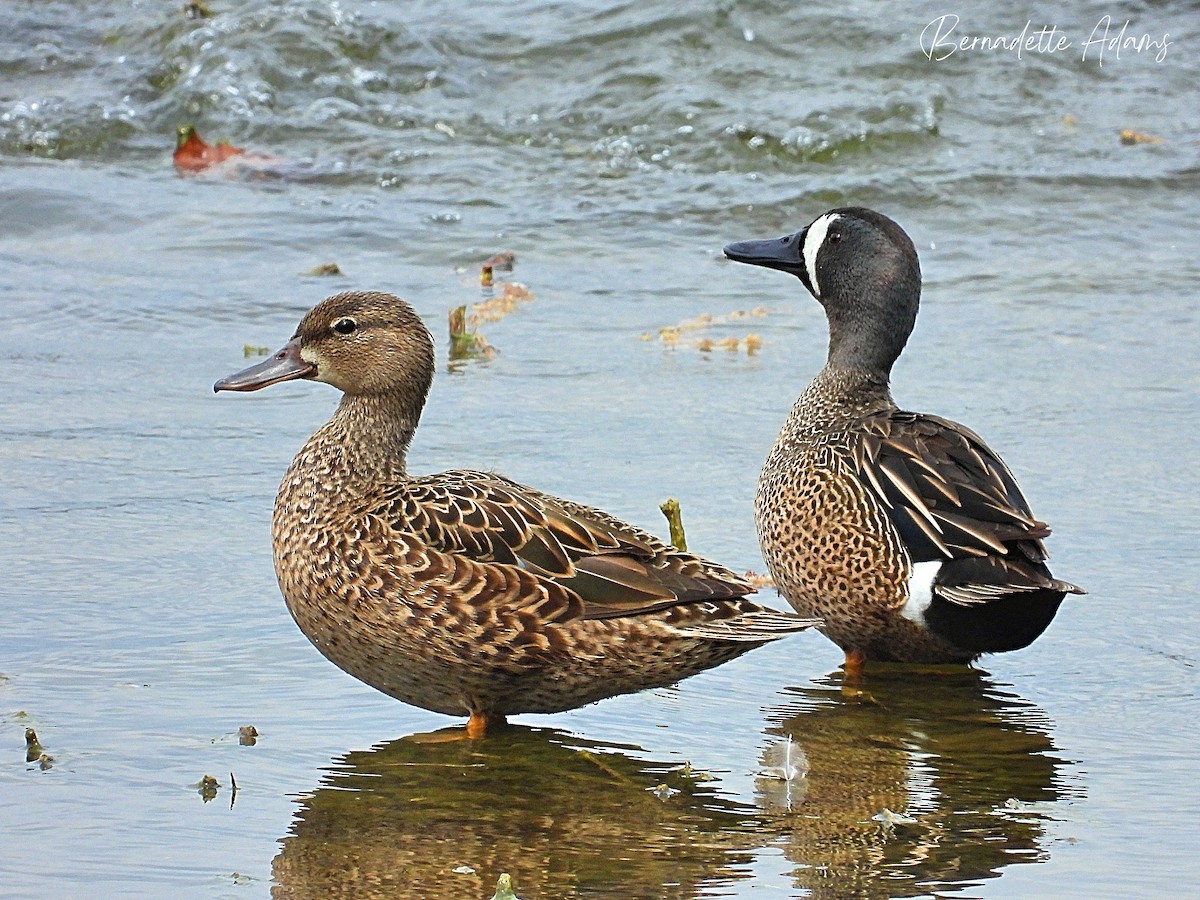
<point>951,498</point>
<point>613,568</point>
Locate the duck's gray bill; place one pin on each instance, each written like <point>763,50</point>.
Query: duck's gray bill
<point>285,365</point>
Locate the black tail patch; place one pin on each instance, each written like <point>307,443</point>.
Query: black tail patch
<point>1009,623</point>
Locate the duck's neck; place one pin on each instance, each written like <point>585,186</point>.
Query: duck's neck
<point>366,440</point>
<point>839,392</point>
<point>867,335</point>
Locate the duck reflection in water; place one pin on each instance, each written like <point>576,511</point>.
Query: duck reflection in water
<point>564,816</point>
<point>903,789</point>
<point>900,792</point>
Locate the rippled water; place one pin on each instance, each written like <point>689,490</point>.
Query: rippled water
<point>615,148</point>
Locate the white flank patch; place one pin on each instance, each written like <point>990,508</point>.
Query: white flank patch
<point>920,591</point>
<point>812,245</point>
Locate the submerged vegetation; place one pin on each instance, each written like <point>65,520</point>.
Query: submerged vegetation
<point>692,332</point>
<point>466,341</point>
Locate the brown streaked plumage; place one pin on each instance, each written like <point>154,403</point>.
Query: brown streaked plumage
<point>466,593</point>
<point>903,531</point>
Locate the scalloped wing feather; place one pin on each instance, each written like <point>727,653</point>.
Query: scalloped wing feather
<point>613,569</point>
<point>740,621</point>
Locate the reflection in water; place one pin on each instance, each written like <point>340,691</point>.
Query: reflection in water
<point>965,771</point>
<point>957,760</point>
<point>563,816</point>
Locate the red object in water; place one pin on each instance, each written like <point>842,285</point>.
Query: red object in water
<point>192,154</point>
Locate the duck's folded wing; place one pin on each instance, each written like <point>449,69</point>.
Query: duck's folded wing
<point>492,613</point>
<point>982,579</point>
<point>615,568</point>
<point>951,498</point>
<point>514,620</point>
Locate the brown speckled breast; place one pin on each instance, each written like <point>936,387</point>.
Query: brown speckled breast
<point>831,549</point>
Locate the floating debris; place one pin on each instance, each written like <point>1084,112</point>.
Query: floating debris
<point>504,889</point>
<point>502,261</point>
<point>323,271</point>
<point>598,761</point>
<point>674,335</point>
<point>33,748</point>
<point>511,296</point>
<point>35,752</point>
<point>758,581</point>
<point>466,344</point>
<point>893,819</point>
<point>663,791</point>
<point>670,508</point>
<point>497,262</point>
<point>687,771</point>
<point>463,870</point>
<point>249,350</point>
<point>247,735</point>
<point>1012,804</point>
<point>669,334</point>
<point>782,783</point>
<point>1129,138</point>
<point>465,340</point>
<point>197,9</point>
<point>785,760</point>
<point>193,156</point>
<point>207,787</point>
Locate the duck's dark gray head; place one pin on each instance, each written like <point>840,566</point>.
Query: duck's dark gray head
<point>863,269</point>
<point>365,343</point>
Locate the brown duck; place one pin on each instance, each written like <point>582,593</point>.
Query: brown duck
<point>466,593</point>
<point>903,531</point>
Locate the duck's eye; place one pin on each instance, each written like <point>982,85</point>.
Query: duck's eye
<point>835,237</point>
<point>345,326</point>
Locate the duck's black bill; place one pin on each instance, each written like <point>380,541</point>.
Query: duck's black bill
<point>781,253</point>
<point>285,365</point>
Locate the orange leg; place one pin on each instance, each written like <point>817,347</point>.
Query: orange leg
<point>477,727</point>
<point>479,723</point>
<point>856,661</point>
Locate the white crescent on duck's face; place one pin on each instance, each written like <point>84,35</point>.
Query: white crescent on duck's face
<point>814,238</point>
